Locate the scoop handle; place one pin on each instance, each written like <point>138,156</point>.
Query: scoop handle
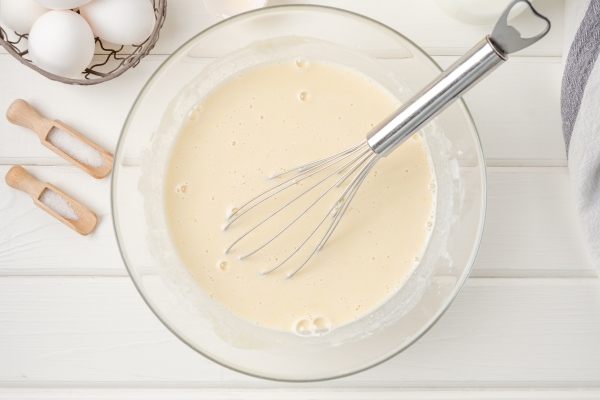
<point>21,113</point>
<point>18,178</point>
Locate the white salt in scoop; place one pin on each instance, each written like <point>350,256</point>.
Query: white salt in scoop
<point>58,204</point>
<point>76,148</point>
<point>62,139</point>
<point>52,200</point>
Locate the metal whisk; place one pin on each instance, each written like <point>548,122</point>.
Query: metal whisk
<point>354,164</point>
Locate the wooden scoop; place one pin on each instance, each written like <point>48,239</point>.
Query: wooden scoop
<point>17,177</point>
<point>21,113</point>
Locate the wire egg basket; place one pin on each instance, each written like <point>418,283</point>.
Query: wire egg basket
<point>114,60</point>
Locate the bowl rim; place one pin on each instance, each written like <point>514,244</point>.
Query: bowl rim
<point>439,313</point>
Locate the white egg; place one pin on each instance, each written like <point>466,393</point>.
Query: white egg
<point>120,21</point>
<point>61,4</point>
<point>62,43</point>
<point>19,15</point>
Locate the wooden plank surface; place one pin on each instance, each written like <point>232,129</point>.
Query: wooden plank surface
<point>437,33</point>
<point>531,228</point>
<point>516,111</point>
<point>528,319</point>
<point>97,111</point>
<point>298,394</point>
<point>421,21</point>
<point>499,333</point>
<point>33,242</point>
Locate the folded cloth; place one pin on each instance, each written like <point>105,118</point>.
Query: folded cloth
<point>580,107</point>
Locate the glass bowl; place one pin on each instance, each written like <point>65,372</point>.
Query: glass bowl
<point>137,194</point>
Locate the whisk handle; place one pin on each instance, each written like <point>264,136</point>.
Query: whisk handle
<point>461,76</point>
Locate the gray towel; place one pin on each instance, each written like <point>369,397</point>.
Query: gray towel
<point>580,106</point>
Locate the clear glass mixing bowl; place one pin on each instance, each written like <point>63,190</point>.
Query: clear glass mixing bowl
<point>137,194</point>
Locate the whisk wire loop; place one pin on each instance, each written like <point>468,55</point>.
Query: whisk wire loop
<point>353,163</point>
<point>352,188</point>
<point>336,183</point>
<point>305,174</point>
<point>353,160</point>
<point>306,166</point>
<point>342,201</point>
<point>340,212</point>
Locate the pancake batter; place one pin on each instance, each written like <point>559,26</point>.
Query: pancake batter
<point>282,115</point>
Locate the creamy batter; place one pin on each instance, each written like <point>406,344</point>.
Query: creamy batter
<point>273,117</point>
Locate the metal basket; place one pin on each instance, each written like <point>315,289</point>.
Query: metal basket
<point>126,56</point>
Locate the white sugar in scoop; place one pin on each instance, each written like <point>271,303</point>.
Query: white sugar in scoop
<point>52,200</point>
<point>58,204</point>
<point>62,139</point>
<point>76,148</point>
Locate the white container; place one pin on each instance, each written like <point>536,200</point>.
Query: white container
<point>228,8</point>
<point>478,12</point>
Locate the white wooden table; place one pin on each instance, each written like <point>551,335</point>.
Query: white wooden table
<point>73,326</point>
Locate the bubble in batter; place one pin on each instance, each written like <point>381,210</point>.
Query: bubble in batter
<point>193,115</point>
<point>303,96</point>
<point>321,325</point>
<point>309,326</point>
<point>303,327</point>
<point>223,266</point>
<point>301,63</point>
<point>182,188</point>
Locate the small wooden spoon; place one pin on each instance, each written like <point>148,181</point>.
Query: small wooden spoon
<point>17,177</point>
<point>21,113</point>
